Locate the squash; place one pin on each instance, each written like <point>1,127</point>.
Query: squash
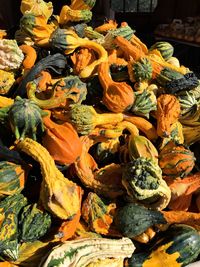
<point>176,160</point>
<point>91,34</point>
<point>117,96</point>
<point>61,141</point>
<point>30,56</point>
<point>56,62</point>
<point>82,4</point>
<point>33,223</point>
<point>5,101</point>
<point>25,117</point>
<point>81,59</point>
<point>7,79</point>
<point>140,70</point>
<point>66,91</point>
<point>144,103</point>
<point>174,61</point>
<point>83,252</point>
<point>178,246</point>
<point>133,219</point>
<point>97,214</point>
<point>12,178</point>
<point>168,112</point>
<point>68,14</point>
<point>165,48</point>
<point>67,41</point>
<point>10,208</point>
<point>84,118</point>
<point>142,178</point>
<point>10,50</point>
<point>37,8</point>
<point>107,26</point>
<point>58,195</point>
<point>105,181</point>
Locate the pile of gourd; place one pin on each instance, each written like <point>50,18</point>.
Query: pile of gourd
<point>96,167</point>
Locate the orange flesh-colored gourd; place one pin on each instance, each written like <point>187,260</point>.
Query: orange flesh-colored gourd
<point>44,81</point>
<point>117,96</point>
<point>62,141</point>
<point>110,25</point>
<point>143,125</point>
<point>30,56</point>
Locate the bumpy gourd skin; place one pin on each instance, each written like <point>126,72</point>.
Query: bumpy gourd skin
<point>67,14</point>
<point>143,181</point>
<point>25,117</point>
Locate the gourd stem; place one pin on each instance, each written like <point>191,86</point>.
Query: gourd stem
<point>103,56</point>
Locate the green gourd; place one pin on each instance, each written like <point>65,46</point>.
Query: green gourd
<point>165,48</point>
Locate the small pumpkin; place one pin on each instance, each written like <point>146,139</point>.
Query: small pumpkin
<point>12,178</point>
<point>33,223</point>
<point>117,96</point>
<point>97,214</point>
<point>165,48</point>
<point>62,141</point>
<point>176,160</point>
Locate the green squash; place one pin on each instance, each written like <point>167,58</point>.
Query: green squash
<point>141,70</point>
<point>177,247</point>
<point>33,223</point>
<point>12,178</point>
<point>9,210</point>
<point>133,219</point>
<point>25,117</point>
<point>165,48</point>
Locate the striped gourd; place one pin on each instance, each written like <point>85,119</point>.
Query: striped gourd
<point>165,48</point>
<point>176,160</point>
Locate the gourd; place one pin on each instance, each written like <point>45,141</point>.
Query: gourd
<point>56,63</point>
<point>82,4</point>
<point>133,219</point>
<point>7,79</point>
<point>105,27</point>
<point>143,181</point>
<point>12,178</point>
<point>68,14</point>
<point>30,56</point>
<point>125,32</point>
<point>36,28</point>
<point>10,208</point>
<point>37,8</point>
<point>191,134</point>
<point>174,61</point>
<point>178,246</point>
<point>66,91</point>
<point>25,117</point>
<point>82,252</point>
<point>61,141</point>
<point>105,181</point>
<point>144,103</point>
<point>81,59</point>
<point>5,102</point>
<point>97,214</point>
<point>176,160</point>
<point>165,48</point>
<point>91,34</point>
<point>117,96</point>
<point>140,70</point>
<point>33,223</point>
<point>67,41</point>
<point>168,111</point>
<point>84,118</point>
<point>58,195</point>
<point>11,55</point>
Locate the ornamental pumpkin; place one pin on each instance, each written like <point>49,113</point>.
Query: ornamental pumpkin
<point>176,160</point>
<point>165,48</point>
<point>33,223</point>
<point>117,96</point>
<point>140,70</point>
<point>89,251</point>
<point>10,208</point>
<point>12,178</point>
<point>168,112</point>
<point>25,117</point>
<point>97,214</point>
<point>177,246</point>
<point>58,195</point>
<point>62,141</point>
<point>143,181</point>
